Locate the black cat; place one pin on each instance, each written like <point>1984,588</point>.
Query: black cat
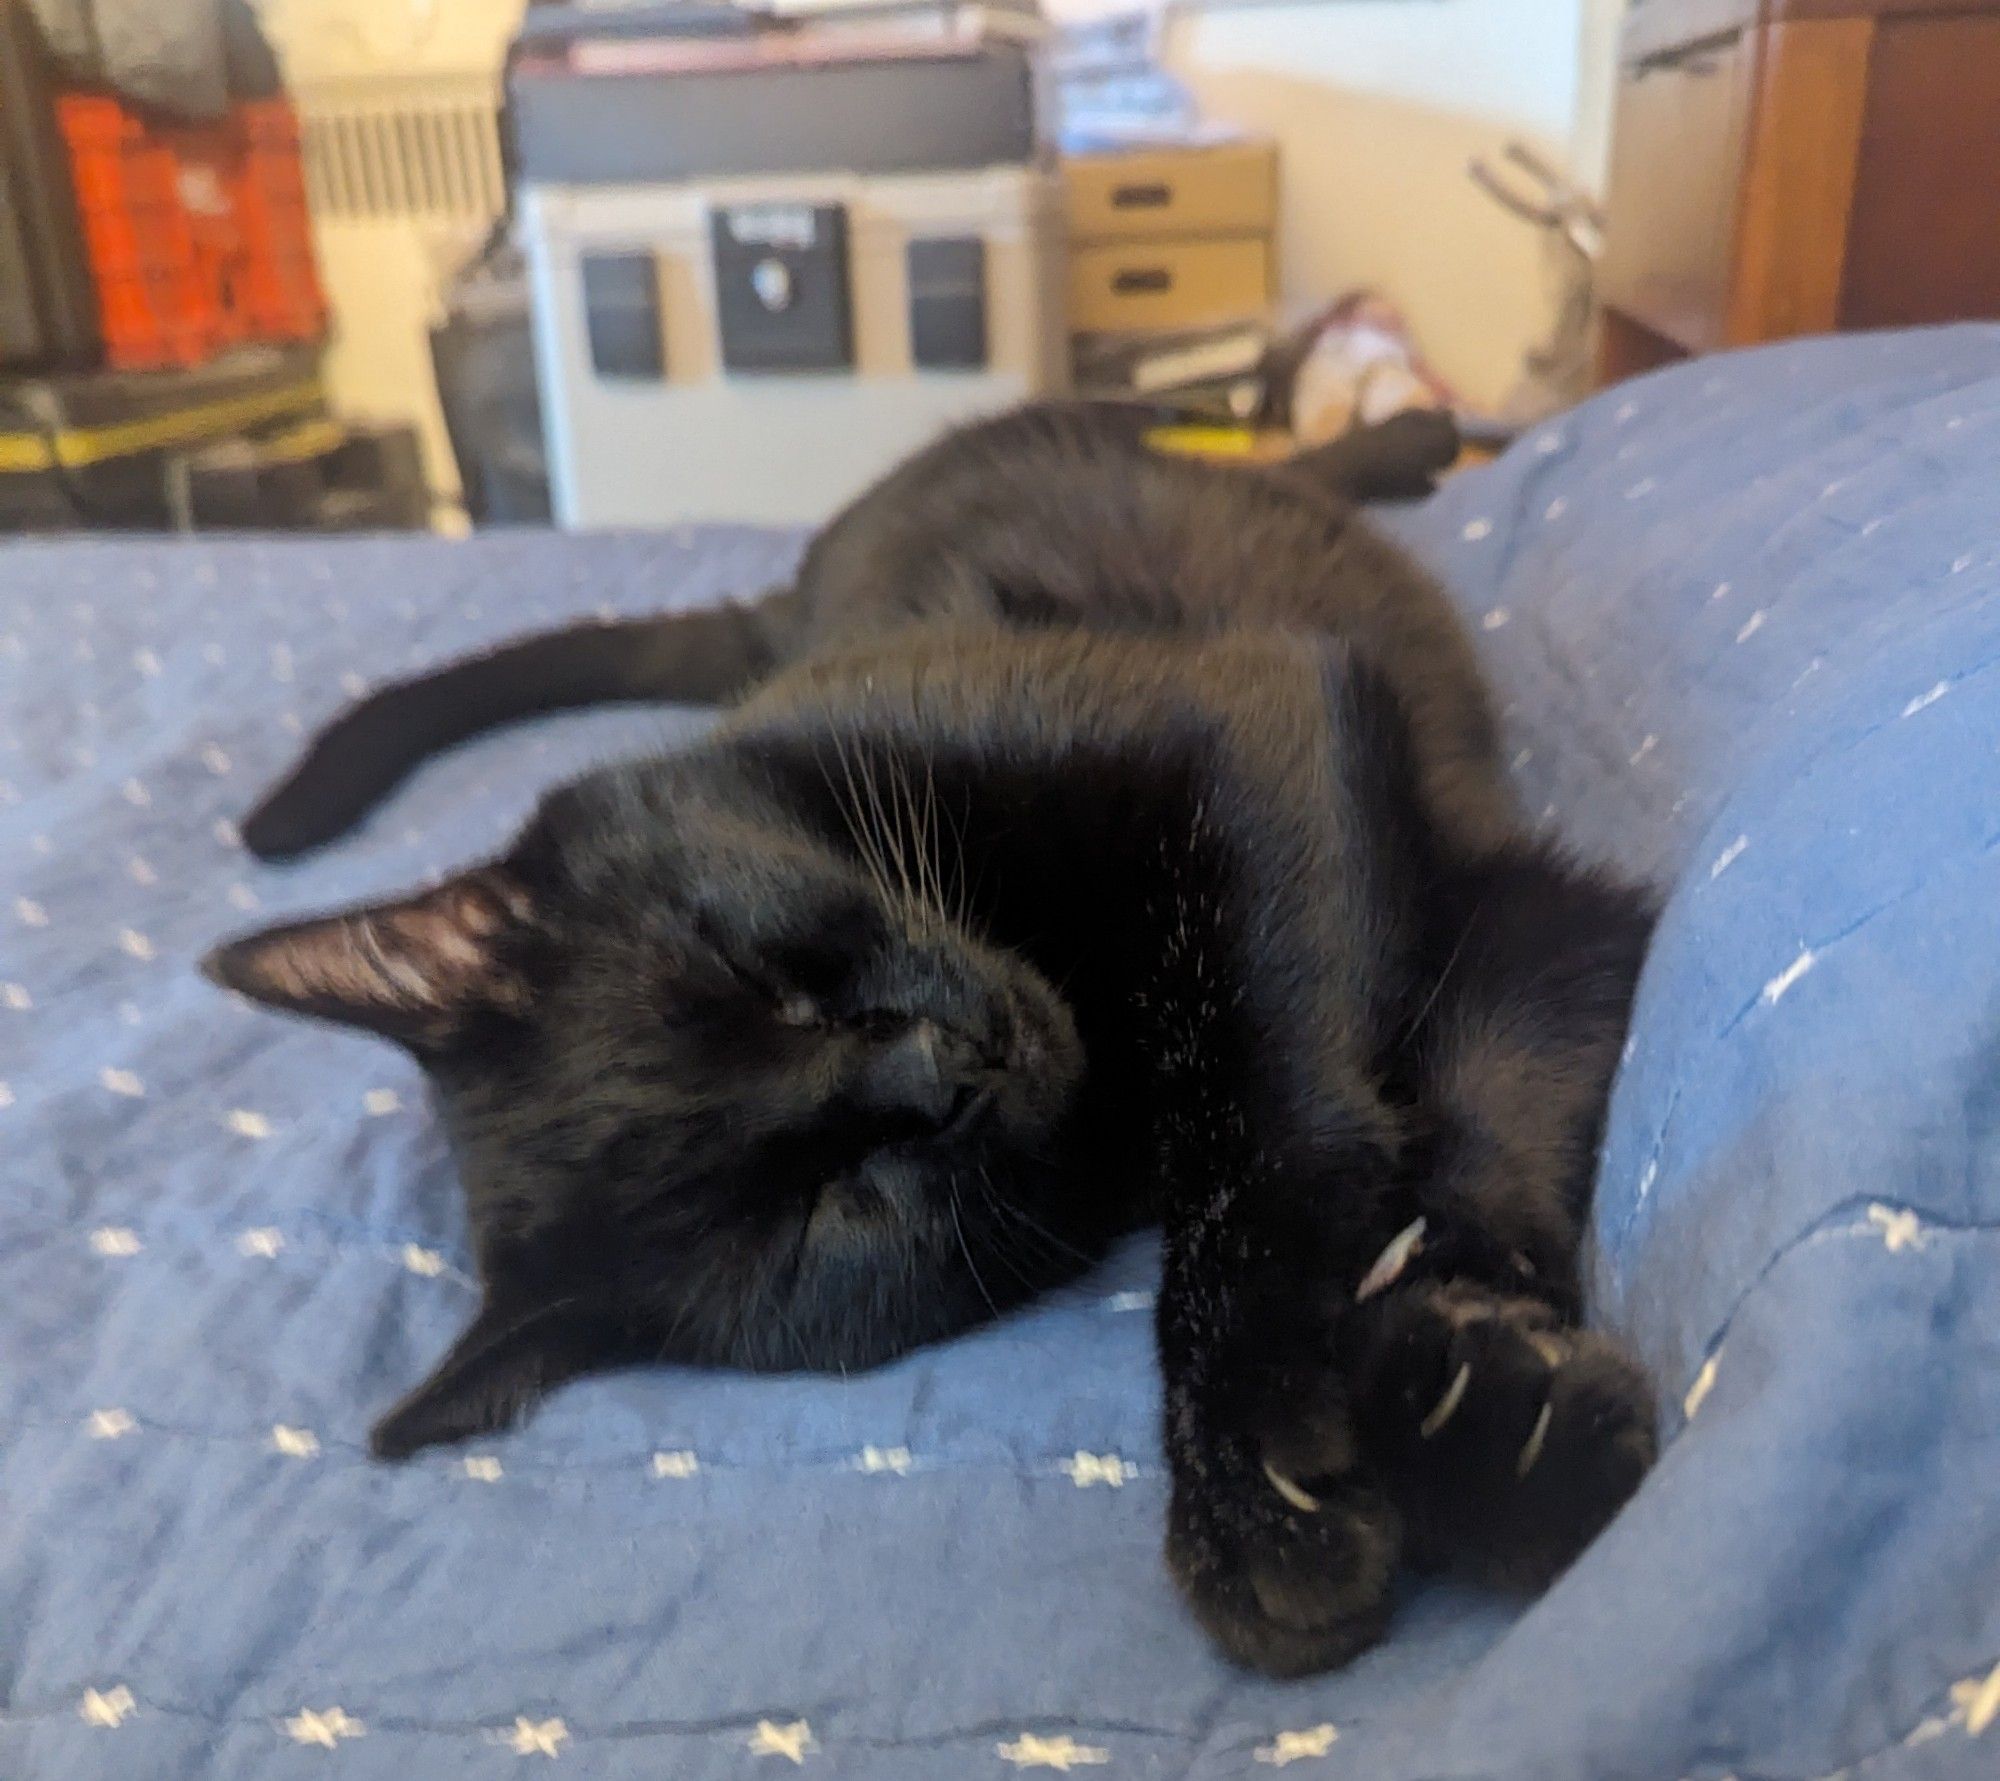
<point>1145,859</point>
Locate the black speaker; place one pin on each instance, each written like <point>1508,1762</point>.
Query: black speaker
<point>781,291</point>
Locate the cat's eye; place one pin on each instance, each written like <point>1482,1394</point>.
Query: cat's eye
<point>879,1023</point>
<point>798,1011</point>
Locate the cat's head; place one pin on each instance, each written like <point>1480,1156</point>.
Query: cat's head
<point>720,1093</point>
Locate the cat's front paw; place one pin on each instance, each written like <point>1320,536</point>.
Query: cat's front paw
<point>1508,1439</point>
<point>1280,1543</point>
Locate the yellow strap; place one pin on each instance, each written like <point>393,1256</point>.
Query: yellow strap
<point>1205,442</point>
<point>76,448</point>
<point>309,439</point>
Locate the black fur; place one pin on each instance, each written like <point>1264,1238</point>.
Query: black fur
<point>1125,845</point>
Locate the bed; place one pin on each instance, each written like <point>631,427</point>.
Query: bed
<point>1746,621</point>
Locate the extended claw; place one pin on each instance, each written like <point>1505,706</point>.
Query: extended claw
<point>1531,1449</point>
<point>1302,1500</point>
<point>1387,1268</point>
<point>1447,1406</point>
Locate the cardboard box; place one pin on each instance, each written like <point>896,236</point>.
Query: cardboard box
<point>1142,286</point>
<point>1226,189</point>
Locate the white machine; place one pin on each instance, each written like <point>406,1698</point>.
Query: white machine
<point>769,262</point>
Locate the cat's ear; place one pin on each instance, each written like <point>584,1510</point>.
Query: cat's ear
<point>413,970</point>
<point>506,1363</point>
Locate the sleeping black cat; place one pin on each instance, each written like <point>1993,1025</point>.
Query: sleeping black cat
<point>1125,843</point>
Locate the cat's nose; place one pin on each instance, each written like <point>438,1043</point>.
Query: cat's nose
<point>920,1072</point>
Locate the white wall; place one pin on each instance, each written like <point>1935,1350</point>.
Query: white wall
<point>1377,106</point>
<point>329,38</point>
<point>1507,59</point>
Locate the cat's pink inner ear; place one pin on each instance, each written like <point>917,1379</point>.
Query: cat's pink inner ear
<point>411,970</point>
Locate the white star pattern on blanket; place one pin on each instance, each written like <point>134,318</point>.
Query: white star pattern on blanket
<point>537,1737</point>
<point>1086,1469</point>
<point>1704,1383</point>
<point>883,1459</point>
<point>793,1741</point>
<point>325,1727</point>
<point>107,1710</point>
<point>1977,1699</point>
<point>1030,1751</point>
<point>1301,1746</point>
<point>1901,1228</point>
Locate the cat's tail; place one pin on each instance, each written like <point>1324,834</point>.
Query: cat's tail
<point>704,657</point>
<point>1399,459</point>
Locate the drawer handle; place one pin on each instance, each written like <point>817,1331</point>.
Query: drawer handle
<point>1698,59</point>
<point>1136,279</point>
<point>1700,67</point>
<point>1155,196</point>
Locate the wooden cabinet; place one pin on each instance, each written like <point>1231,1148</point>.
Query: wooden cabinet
<point>1171,238</point>
<point>1786,167</point>
<point>1676,157</point>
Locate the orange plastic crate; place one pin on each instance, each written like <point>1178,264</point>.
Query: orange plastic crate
<point>155,305</point>
<point>197,234</point>
<point>205,158</point>
<point>281,293</point>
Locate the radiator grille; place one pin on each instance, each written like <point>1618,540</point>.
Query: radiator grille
<point>425,148</point>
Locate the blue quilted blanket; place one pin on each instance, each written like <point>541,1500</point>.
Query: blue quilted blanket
<point>1746,617</point>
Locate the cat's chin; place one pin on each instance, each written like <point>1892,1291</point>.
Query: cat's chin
<point>853,1214</point>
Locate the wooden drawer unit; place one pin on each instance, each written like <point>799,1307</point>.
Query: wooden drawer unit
<point>1167,239</point>
<point>1134,287</point>
<point>1784,167</point>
